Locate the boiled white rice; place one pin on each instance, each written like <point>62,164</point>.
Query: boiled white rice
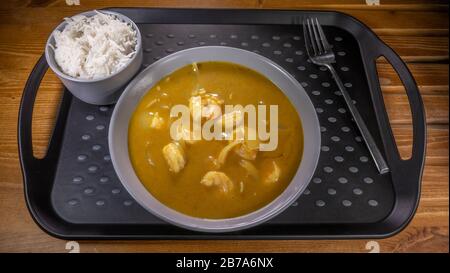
<point>94,47</point>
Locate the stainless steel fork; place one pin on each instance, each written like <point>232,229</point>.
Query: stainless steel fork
<point>320,53</point>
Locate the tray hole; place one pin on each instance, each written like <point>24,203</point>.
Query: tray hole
<point>320,203</point>
<point>397,106</point>
<point>339,159</point>
<point>77,180</point>
<point>93,168</point>
<point>86,137</point>
<point>89,191</point>
<point>349,148</point>
<point>73,202</point>
<point>81,157</point>
<point>368,180</point>
<point>346,203</point>
<point>104,179</point>
<point>343,180</point>
<point>335,138</point>
<point>45,111</point>
<point>96,147</point>
<point>100,127</point>
<point>103,108</point>
<point>332,119</point>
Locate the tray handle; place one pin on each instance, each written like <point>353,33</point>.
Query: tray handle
<point>414,99</point>
<point>403,171</point>
<point>31,164</point>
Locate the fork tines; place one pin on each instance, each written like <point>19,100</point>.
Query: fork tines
<point>315,40</point>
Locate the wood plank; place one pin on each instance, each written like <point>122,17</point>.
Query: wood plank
<point>375,19</point>
<point>425,74</point>
<point>437,143</point>
<point>424,90</point>
<point>428,32</point>
<point>419,48</point>
<point>393,4</point>
<point>436,108</point>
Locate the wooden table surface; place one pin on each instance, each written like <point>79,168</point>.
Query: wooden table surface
<point>415,29</point>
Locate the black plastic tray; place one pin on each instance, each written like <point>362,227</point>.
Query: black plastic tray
<point>73,192</point>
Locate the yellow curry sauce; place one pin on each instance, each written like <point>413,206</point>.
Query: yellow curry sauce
<point>184,187</point>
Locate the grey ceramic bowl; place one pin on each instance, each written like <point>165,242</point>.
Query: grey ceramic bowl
<point>118,135</point>
<point>98,91</point>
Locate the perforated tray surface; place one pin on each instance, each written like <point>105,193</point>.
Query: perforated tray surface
<point>346,188</point>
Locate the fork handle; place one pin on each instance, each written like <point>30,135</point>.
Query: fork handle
<point>367,136</point>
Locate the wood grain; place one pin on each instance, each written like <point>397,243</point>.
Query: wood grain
<point>416,29</point>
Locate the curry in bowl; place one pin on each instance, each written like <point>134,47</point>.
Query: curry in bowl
<point>217,178</point>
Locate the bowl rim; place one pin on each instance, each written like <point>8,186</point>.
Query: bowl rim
<point>91,13</point>
<point>273,208</point>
